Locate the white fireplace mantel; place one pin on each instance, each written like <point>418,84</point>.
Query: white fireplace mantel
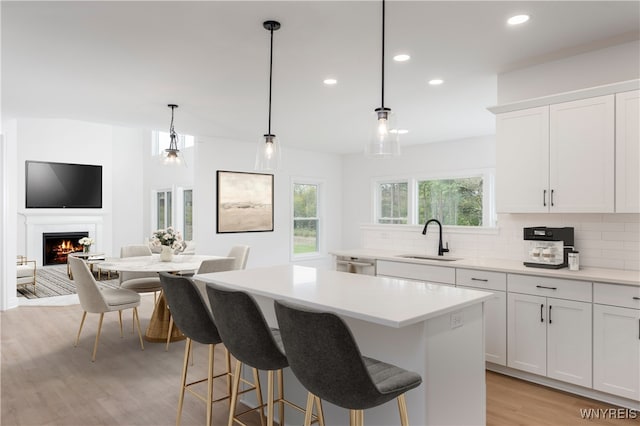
<point>43,222</point>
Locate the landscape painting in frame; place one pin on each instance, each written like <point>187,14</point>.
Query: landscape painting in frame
<point>245,202</point>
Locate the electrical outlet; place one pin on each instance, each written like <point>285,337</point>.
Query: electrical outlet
<point>456,320</point>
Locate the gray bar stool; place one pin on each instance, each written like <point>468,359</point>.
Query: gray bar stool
<point>325,358</point>
<point>194,319</point>
<point>248,337</point>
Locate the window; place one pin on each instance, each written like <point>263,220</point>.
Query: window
<point>451,201</point>
<point>163,209</point>
<point>306,220</point>
<point>393,202</point>
<point>187,214</point>
<point>161,142</point>
<point>454,200</point>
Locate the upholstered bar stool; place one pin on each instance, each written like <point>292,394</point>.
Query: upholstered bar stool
<point>194,319</point>
<point>248,337</point>
<point>325,358</point>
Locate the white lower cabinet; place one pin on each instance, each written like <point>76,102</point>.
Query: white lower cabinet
<point>616,340</point>
<point>416,272</point>
<point>495,310</point>
<point>549,336</point>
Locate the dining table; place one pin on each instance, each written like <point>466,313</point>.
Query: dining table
<point>158,328</point>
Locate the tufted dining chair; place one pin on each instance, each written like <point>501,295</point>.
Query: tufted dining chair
<point>93,299</point>
<point>140,282</point>
<point>241,254</point>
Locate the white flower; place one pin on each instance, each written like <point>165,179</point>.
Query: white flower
<point>166,237</point>
<point>86,241</point>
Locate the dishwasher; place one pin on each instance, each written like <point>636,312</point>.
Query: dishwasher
<point>356,265</point>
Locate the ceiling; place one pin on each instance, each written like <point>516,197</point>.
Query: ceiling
<point>121,63</point>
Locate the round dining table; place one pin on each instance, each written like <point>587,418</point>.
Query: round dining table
<point>158,328</point>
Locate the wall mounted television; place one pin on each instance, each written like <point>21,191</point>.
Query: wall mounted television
<point>62,185</point>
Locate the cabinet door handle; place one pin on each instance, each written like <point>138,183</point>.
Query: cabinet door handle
<point>548,288</point>
<point>552,198</point>
<point>639,329</point>
<point>550,314</point>
<point>544,197</point>
<point>484,281</point>
<point>636,298</point>
<point>541,309</point>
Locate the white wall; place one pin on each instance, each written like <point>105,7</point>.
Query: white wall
<point>267,248</point>
<point>435,158</point>
<point>596,68</point>
<point>8,225</point>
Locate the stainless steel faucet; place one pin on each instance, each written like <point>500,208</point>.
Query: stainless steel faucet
<point>441,251</point>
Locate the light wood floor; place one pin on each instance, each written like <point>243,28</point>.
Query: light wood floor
<point>45,380</point>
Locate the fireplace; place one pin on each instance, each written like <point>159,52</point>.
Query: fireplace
<point>57,245</point>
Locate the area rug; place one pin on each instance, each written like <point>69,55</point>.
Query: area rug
<point>54,281</point>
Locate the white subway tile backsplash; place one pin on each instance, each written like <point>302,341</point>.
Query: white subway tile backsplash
<point>604,240</point>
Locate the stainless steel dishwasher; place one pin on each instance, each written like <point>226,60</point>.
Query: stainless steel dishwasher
<point>356,265</point>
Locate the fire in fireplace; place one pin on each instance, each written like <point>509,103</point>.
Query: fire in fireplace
<point>57,245</point>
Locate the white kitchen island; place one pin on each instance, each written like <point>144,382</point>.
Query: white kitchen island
<point>434,330</point>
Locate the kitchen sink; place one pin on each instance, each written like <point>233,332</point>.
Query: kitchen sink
<point>428,257</point>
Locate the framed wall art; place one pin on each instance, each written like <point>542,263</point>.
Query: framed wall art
<point>245,202</point>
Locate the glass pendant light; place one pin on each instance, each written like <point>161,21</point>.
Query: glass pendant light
<point>172,156</point>
<point>383,142</point>
<point>268,152</point>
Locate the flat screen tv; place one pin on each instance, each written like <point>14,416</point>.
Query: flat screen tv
<point>62,185</point>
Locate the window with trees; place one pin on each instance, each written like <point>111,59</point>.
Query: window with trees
<point>163,209</point>
<point>187,214</point>
<point>454,201</point>
<point>306,218</point>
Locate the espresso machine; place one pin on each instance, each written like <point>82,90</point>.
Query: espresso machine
<point>547,247</point>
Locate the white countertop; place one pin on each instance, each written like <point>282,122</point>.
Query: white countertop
<point>386,301</point>
<point>617,276</point>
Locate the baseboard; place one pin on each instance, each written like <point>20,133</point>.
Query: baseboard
<point>566,387</point>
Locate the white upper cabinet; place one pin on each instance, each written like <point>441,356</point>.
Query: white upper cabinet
<point>581,156</point>
<point>628,152</point>
<point>522,162</point>
<point>577,152</point>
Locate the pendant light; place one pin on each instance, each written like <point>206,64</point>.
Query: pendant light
<point>268,152</point>
<point>172,156</point>
<point>383,143</point>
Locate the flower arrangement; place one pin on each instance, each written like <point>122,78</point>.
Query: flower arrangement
<point>86,241</point>
<point>167,237</point>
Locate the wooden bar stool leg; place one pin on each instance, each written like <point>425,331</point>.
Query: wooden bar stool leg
<point>234,392</point>
<point>168,334</point>
<point>120,318</point>
<point>280,398</point>
<point>256,379</point>
<point>402,406</point>
<point>309,409</point>
<point>270,398</point>
<point>319,411</point>
<point>210,386</point>
<point>185,367</point>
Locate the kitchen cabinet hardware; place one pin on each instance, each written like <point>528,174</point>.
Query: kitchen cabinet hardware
<point>479,279</point>
<point>548,288</point>
<point>639,329</point>
<point>552,198</point>
<point>544,197</point>
<point>550,314</point>
<point>636,298</point>
<point>541,309</point>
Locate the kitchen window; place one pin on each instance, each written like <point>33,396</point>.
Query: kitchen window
<point>306,218</point>
<point>460,200</point>
<point>187,214</point>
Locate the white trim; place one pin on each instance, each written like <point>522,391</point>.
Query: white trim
<point>607,89</point>
<point>477,230</point>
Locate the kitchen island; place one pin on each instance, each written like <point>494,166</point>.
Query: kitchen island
<point>436,331</point>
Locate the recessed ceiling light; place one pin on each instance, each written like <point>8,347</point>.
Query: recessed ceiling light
<point>399,131</point>
<point>402,57</point>
<point>518,19</point>
<point>330,81</point>
<point>436,82</point>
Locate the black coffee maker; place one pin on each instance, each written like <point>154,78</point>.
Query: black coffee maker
<point>548,247</point>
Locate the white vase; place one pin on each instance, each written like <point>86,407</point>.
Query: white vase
<point>166,255</point>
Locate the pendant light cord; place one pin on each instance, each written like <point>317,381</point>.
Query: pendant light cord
<point>382,91</point>
<point>270,78</point>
